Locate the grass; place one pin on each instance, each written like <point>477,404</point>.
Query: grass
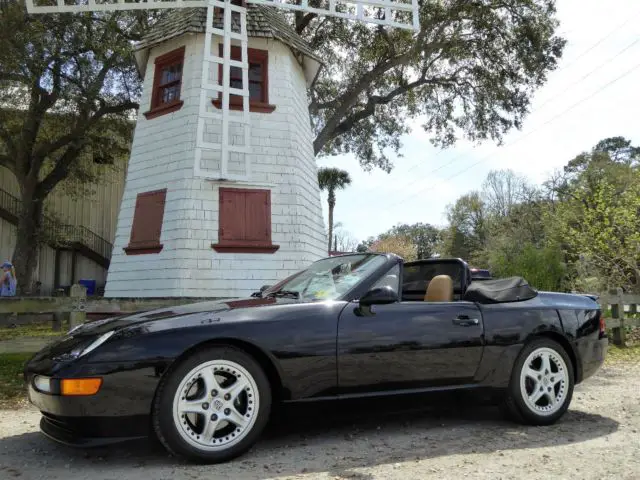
<point>32,330</point>
<point>616,355</point>
<point>12,389</point>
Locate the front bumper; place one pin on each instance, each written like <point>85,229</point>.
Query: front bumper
<point>67,431</point>
<point>120,411</point>
<point>72,421</point>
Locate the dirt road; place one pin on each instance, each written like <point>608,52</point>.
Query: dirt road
<point>599,438</point>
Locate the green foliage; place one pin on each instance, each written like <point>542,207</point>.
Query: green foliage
<point>471,71</point>
<point>466,235</point>
<point>599,222</point>
<point>12,389</point>
<point>29,330</point>
<point>542,267</point>
<point>400,245</point>
<point>332,179</point>
<point>68,86</point>
<point>423,237</point>
<point>581,232</point>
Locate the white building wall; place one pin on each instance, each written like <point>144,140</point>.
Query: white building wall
<point>163,157</point>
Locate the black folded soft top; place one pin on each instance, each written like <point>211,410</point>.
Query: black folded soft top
<point>502,290</point>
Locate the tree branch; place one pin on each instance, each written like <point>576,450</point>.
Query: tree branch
<point>51,147</point>
<point>8,140</point>
<point>303,21</point>
<point>61,170</point>
<point>75,142</point>
<point>373,101</point>
<point>8,162</point>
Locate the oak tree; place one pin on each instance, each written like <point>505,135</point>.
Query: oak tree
<point>470,71</point>
<point>68,84</point>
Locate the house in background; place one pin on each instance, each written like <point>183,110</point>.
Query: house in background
<point>80,240</point>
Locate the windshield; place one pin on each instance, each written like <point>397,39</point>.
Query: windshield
<point>329,278</point>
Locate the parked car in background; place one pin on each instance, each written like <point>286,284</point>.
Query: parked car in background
<point>480,274</point>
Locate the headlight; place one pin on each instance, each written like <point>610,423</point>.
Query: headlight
<point>83,350</point>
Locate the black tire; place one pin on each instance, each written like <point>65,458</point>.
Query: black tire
<point>515,407</point>
<point>163,414</point>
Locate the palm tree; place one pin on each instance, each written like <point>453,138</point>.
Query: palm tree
<point>332,179</point>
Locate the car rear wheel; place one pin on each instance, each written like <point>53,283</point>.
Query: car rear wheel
<point>541,385</point>
<point>212,406</point>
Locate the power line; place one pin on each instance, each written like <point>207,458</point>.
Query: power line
<point>551,120</point>
<point>587,75</point>
<point>462,155</point>
<point>574,60</point>
<point>611,32</point>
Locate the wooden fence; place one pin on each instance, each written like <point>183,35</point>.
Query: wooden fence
<point>623,307</point>
<point>78,305</point>
<point>620,317</point>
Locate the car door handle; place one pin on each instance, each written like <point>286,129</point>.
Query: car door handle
<point>465,321</point>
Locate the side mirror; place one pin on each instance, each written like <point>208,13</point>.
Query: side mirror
<point>262,290</point>
<point>379,296</point>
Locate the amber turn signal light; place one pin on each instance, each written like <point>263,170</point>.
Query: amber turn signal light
<point>80,386</point>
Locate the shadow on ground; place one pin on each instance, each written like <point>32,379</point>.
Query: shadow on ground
<point>325,438</point>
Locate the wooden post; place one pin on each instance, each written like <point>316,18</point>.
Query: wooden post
<point>617,311</point>
<point>79,314</point>
<point>57,321</point>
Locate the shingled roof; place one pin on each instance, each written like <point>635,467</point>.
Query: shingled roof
<point>262,22</point>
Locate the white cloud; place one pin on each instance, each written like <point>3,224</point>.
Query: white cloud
<point>425,180</point>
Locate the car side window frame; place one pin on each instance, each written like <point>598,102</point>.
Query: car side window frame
<point>394,270</point>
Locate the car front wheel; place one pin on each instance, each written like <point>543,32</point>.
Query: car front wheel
<point>541,385</point>
<point>213,406</point>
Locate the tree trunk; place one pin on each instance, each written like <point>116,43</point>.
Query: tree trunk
<point>28,240</point>
<point>332,204</point>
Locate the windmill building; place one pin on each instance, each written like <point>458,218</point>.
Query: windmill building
<point>190,223</point>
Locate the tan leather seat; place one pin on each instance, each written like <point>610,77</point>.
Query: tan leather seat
<point>440,289</point>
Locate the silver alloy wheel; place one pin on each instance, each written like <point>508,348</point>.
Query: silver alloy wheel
<point>216,405</point>
<point>544,381</point>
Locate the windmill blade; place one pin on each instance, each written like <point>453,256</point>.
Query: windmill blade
<point>77,6</point>
<point>392,13</point>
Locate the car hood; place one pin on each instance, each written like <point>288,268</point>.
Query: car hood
<point>214,306</point>
<point>87,332</point>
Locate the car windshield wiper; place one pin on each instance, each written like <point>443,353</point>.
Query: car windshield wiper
<point>284,293</point>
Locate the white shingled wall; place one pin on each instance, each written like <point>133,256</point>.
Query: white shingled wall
<point>163,157</point>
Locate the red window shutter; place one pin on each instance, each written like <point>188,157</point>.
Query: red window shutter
<point>245,216</point>
<point>258,216</point>
<point>231,216</point>
<point>147,220</point>
<point>244,220</point>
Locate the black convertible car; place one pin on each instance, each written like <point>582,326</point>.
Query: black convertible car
<point>203,377</point>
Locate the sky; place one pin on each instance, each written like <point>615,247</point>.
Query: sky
<point>593,94</point>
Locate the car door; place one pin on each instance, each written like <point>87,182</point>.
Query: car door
<point>408,345</point>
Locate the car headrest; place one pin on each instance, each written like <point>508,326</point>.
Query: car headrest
<point>440,289</point>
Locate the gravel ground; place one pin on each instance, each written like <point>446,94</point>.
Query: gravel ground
<point>597,439</point>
